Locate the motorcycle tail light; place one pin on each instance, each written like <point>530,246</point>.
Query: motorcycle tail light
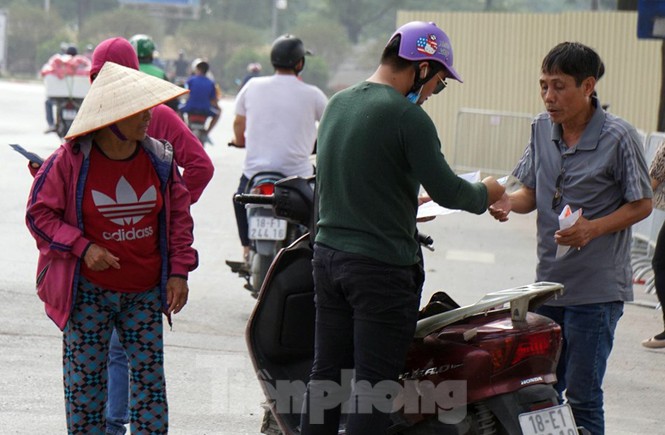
<point>264,189</point>
<point>510,350</point>
<point>499,350</point>
<point>536,344</point>
<point>197,118</point>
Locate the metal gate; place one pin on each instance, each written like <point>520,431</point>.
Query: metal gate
<point>489,141</point>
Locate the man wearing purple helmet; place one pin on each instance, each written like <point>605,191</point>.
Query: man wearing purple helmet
<point>376,148</point>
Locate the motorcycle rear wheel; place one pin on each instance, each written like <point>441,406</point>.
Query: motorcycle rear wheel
<point>478,421</point>
<point>62,128</point>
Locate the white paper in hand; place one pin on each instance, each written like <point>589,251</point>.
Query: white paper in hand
<point>567,219</point>
<point>431,208</point>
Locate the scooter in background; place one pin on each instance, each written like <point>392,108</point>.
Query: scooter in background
<point>198,124</point>
<point>66,110</point>
<point>268,232</point>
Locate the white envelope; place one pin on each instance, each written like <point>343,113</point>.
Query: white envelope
<point>431,208</point>
<point>567,219</point>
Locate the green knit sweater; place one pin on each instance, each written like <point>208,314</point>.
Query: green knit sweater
<point>374,151</point>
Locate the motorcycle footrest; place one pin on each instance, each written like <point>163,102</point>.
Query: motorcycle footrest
<point>239,267</point>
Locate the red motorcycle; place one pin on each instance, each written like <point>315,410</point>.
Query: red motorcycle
<point>198,124</point>
<point>487,368</point>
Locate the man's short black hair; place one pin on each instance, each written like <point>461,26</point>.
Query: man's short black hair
<point>390,55</point>
<point>203,67</point>
<point>573,59</point>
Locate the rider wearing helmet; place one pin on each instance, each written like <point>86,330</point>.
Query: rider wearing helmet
<point>287,52</point>
<point>181,69</point>
<point>253,70</point>
<point>145,49</point>
<point>376,148</point>
<point>202,98</point>
<point>276,120</point>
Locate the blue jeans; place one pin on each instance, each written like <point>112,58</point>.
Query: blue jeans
<point>588,336</point>
<point>48,106</point>
<point>366,313</point>
<point>117,403</point>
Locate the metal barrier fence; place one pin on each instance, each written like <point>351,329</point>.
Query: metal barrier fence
<point>489,141</point>
<point>645,232</point>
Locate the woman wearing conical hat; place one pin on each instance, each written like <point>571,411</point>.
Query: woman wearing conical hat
<point>111,219</point>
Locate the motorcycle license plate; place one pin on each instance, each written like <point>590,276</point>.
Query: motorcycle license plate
<point>557,420</point>
<point>68,114</point>
<point>266,228</point>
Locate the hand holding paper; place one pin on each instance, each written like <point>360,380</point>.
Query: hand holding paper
<point>567,219</point>
<point>430,209</point>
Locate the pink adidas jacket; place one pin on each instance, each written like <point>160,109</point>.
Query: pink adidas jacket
<point>53,218</point>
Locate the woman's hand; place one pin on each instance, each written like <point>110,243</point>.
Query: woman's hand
<point>176,294</point>
<point>98,258</point>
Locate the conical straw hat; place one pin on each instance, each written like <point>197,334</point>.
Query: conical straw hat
<point>117,93</point>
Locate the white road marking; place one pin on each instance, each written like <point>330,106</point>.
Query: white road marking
<point>475,256</point>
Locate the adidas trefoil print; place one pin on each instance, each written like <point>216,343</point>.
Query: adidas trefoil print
<point>125,210</point>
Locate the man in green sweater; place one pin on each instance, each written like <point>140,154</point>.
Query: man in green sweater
<point>376,147</point>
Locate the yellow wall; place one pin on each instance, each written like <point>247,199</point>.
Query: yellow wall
<point>498,56</point>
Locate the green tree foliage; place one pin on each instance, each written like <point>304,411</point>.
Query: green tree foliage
<point>325,38</point>
<point>355,14</point>
<point>226,27</point>
<point>217,41</point>
<point>119,22</point>
<point>29,28</point>
<point>316,72</point>
<point>235,67</point>
<point>259,13</point>
<point>253,13</point>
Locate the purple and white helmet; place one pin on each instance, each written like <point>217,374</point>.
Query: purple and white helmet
<point>425,41</point>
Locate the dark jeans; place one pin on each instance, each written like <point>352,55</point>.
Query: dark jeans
<point>658,264</point>
<point>366,312</point>
<point>48,106</point>
<point>588,336</point>
<point>241,214</point>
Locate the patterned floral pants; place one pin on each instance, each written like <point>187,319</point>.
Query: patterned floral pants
<point>138,320</point>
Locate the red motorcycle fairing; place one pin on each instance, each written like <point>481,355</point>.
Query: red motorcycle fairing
<point>506,367</point>
<point>197,118</point>
<point>493,357</point>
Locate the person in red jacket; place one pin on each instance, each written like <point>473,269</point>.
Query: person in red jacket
<point>111,218</point>
<point>198,170</point>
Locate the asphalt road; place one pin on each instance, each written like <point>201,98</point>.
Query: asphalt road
<point>211,385</point>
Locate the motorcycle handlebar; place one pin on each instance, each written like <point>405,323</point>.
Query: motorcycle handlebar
<point>425,241</point>
<point>250,198</point>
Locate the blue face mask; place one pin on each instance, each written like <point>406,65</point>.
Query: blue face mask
<point>414,96</point>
